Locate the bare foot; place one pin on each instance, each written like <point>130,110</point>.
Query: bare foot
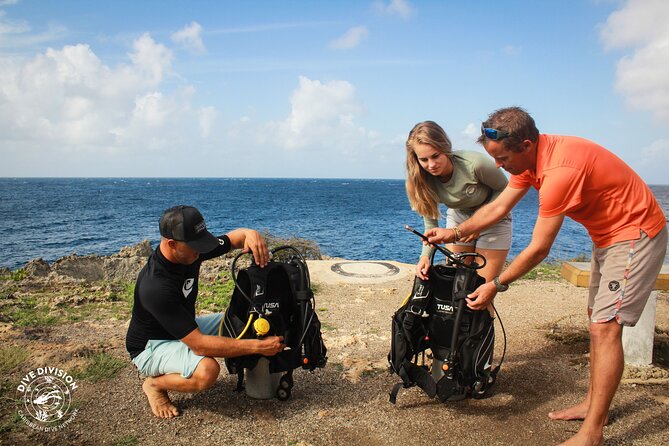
<point>577,412</point>
<point>160,403</point>
<point>585,439</point>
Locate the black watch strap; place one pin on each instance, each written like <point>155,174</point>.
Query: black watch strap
<point>500,287</point>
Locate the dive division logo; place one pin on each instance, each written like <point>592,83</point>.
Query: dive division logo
<point>45,399</point>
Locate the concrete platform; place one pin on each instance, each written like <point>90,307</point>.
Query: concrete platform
<point>578,273</point>
<point>359,271</point>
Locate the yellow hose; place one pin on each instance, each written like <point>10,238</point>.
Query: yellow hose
<point>248,324</point>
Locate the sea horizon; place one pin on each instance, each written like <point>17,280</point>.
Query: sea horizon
<point>351,218</point>
<point>214,178</point>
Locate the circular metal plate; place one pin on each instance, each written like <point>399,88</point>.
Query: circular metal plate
<point>365,270</point>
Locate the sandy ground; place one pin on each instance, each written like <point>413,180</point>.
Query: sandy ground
<point>546,368</point>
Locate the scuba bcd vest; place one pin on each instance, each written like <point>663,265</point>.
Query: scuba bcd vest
<point>275,300</point>
<point>461,340</point>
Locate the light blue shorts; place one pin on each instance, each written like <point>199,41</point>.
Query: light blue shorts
<point>497,236</point>
<point>161,357</point>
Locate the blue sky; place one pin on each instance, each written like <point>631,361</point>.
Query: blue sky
<point>318,89</point>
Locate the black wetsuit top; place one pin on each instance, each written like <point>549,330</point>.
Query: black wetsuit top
<point>165,294</point>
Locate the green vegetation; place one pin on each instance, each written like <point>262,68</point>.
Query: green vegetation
<point>327,327</point>
<point>215,296</point>
<point>11,357</point>
<point>11,423</point>
<point>29,312</point>
<point>101,366</point>
<point>15,276</point>
<point>126,440</point>
<point>122,292</point>
<point>42,305</point>
<point>545,271</point>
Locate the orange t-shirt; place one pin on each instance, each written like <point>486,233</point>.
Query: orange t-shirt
<point>593,187</point>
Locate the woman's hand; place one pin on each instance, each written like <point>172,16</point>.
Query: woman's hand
<point>422,267</point>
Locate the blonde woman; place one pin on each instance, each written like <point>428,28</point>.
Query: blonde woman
<point>461,180</point>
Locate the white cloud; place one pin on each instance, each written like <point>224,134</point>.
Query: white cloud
<point>16,34</point>
<point>69,100</point>
<point>472,131</point>
<point>8,2</point>
<point>12,27</point>
<point>153,60</point>
<point>400,8</point>
<point>350,39</point>
<point>190,38</point>
<point>643,76</point>
<point>322,115</point>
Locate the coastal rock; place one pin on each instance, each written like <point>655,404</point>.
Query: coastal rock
<point>88,268</point>
<point>124,269</point>
<point>37,268</point>
<point>123,266</point>
<point>141,249</point>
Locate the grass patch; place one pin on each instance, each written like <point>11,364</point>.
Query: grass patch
<point>126,440</point>
<point>122,292</point>
<point>11,424</point>
<point>29,313</point>
<point>100,367</point>
<point>47,306</point>
<point>545,271</point>
<point>16,275</point>
<point>327,327</point>
<point>215,296</point>
<point>12,356</point>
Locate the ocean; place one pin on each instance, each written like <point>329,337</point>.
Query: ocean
<point>353,219</point>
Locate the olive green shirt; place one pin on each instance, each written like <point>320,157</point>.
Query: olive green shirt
<point>475,181</point>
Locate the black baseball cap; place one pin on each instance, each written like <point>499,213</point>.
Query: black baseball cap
<point>186,224</point>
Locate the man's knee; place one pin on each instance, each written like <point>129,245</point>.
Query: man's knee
<point>206,373</point>
<point>610,331</point>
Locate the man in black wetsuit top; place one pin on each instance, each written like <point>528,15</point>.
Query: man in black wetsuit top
<point>166,341</point>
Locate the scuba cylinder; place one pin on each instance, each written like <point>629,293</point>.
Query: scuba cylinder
<point>260,383</point>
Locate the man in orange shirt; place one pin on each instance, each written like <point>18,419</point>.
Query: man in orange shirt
<point>581,180</point>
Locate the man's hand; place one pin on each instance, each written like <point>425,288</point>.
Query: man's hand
<point>482,296</point>
<point>440,235</point>
<point>422,267</point>
<point>254,242</point>
<point>271,345</point>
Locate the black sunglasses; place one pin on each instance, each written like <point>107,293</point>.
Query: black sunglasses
<point>493,134</point>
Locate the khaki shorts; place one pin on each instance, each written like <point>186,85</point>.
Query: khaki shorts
<point>622,277</point>
<point>498,236</point>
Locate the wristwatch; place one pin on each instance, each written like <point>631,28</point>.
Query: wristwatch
<point>500,287</point>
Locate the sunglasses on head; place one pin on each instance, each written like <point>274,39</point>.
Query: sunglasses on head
<point>493,134</point>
